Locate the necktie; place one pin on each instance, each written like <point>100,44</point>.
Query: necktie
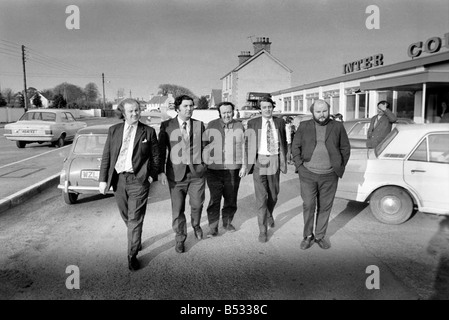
<point>120,165</point>
<point>185,134</point>
<point>271,147</point>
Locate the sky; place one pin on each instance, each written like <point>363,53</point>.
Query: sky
<point>139,44</point>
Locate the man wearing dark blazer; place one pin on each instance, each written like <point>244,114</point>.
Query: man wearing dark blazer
<point>182,166</point>
<point>321,151</point>
<point>129,164</point>
<point>380,125</point>
<point>267,157</point>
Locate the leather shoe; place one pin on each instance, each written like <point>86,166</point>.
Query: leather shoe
<point>133,263</point>
<point>198,233</point>
<point>230,227</point>
<point>263,237</point>
<point>306,243</point>
<point>212,233</point>
<point>179,248</point>
<point>323,243</point>
<point>270,222</point>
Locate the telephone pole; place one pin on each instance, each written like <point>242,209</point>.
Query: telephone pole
<point>25,98</point>
<point>104,98</point>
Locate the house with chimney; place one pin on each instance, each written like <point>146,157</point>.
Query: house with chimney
<point>255,76</point>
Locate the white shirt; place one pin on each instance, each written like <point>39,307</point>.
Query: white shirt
<point>263,137</point>
<point>129,154</point>
<point>187,125</point>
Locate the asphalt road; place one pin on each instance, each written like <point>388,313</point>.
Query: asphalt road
<point>39,239</point>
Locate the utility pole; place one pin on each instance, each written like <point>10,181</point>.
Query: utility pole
<point>104,98</point>
<point>25,98</point>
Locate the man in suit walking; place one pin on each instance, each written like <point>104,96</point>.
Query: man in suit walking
<point>129,164</point>
<point>266,149</point>
<point>321,151</point>
<point>183,168</point>
<point>380,125</point>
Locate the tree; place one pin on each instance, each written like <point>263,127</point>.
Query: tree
<point>8,95</point>
<point>175,90</point>
<point>2,101</point>
<point>19,101</point>
<point>37,101</point>
<point>91,92</point>
<point>203,103</point>
<point>70,92</point>
<point>59,102</point>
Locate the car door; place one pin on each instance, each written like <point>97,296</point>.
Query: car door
<point>71,125</point>
<point>427,172</point>
<point>357,135</point>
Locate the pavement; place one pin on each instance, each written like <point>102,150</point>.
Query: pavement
<point>25,178</point>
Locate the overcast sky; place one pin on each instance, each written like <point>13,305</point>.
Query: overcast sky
<point>193,43</point>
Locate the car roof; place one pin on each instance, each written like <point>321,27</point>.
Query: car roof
<point>96,129</point>
<point>49,110</point>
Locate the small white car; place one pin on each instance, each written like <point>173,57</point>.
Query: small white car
<point>43,125</point>
<point>408,170</point>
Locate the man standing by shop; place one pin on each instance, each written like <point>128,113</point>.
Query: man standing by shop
<point>380,125</point>
<point>129,164</point>
<point>266,148</point>
<point>183,168</point>
<point>226,160</point>
<point>321,151</point>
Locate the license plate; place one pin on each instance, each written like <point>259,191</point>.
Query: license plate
<point>28,131</point>
<point>93,175</point>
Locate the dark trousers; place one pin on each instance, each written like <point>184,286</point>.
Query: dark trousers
<point>131,197</point>
<point>222,183</point>
<point>195,188</point>
<point>266,187</point>
<point>317,193</point>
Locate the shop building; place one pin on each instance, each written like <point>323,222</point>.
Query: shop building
<point>415,88</point>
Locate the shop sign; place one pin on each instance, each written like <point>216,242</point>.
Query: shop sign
<point>432,45</point>
<point>365,63</point>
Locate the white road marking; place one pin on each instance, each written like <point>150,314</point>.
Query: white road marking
<point>38,155</point>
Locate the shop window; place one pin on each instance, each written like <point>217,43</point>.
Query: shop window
<point>385,96</point>
<point>405,104</point>
<point>335,104</point>
<point>363,112</point>
<point>350,106</point>
<point>297,104</point>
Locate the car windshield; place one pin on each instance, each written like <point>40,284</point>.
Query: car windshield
<point>90,144</point>
<point>43,116</point>
<point>381,147</point>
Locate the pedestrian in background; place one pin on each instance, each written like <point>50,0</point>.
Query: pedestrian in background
<point>225,157</point>
<point>380,125</point>
<point>321,151</point>
<point>129,164</point>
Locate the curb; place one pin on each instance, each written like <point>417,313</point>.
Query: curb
<point>23,195</point>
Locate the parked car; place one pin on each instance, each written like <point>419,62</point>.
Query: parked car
<point>357,130</point>
<point>81,169</point>
<point>408,169</point>
<point>43,125</point>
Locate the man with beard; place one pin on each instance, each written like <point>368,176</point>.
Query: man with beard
<point>320,151</point>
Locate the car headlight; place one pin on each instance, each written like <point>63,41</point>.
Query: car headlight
<point>49,132</point>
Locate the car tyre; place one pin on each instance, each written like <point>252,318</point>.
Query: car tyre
<point>60,142</point>
<point>20,144</point>
<point>70,198</point>
<point>391,205</point>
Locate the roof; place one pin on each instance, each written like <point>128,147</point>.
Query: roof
<point>254,57</point>
<point>410,64</point>
<point>158,100</point>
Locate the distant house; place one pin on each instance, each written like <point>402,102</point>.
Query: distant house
<point>255,74</point>
<point>160,102</point>
<point>46,102</point>
<point>215,98</point>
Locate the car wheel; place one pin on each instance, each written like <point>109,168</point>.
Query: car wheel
<point>391,205</point>
<point>60,142</point>
<point>70,198</point>
<point>20,144</point>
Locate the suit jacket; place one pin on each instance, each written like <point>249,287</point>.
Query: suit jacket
<point>337,144</point>
<point>253,132</point>
<point>176,155</point>
<point>145,158</point>
<point>377,133</point>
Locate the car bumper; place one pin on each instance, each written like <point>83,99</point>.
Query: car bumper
<point>30,138</point>
<point>80,189</point>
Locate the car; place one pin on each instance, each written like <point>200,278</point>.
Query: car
<point>409,169</point>
<point>81,168</point>
<point>357,130</point>
<point>43,125</point>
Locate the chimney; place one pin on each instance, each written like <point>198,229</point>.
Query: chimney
<point>262,43</point>
<point>243,56</point>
